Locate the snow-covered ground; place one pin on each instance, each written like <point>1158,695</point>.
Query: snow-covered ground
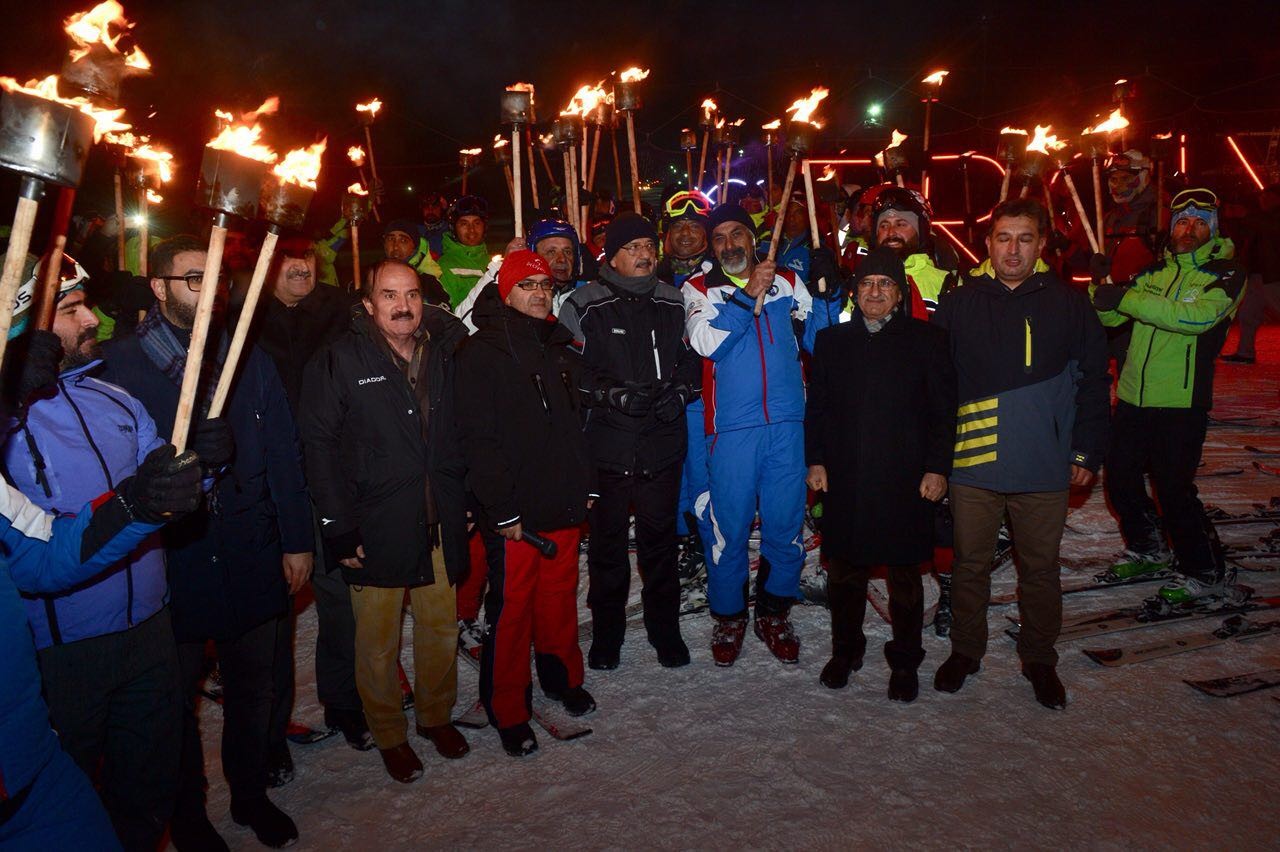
<point>761,755</point>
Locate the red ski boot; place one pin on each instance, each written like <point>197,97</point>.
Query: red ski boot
<point>776,633</point>
<point>726,638</point>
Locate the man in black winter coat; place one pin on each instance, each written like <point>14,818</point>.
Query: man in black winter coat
<point>879,427</point>
<point>377,427</point>
<point>292,325</point>
<point>529,467</point>
<point>232,565</point>
<point>638,375</point>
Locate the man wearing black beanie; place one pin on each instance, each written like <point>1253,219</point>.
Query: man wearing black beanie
<point>639,373</point>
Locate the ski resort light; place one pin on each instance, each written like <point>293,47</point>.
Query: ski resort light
<point>1245,162</point>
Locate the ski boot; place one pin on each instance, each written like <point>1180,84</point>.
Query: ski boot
<point>726,638</point>
<point>813,585</point>
<point>1133,563</point>
<point>471,636</point>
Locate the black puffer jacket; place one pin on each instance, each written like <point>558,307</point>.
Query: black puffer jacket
<point>632,330</point>
<point>367,462</point>
<point>519,425</point>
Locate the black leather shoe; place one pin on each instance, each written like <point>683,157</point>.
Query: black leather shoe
<point>951,674</point>
<point>271,825</point>
<point>835,674</point>
<point>1044,680</point>
<point>904,686</point>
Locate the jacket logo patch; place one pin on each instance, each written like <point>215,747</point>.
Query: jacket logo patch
<point>371,380</point>
<point>618,330</point>
<point>125,428</point>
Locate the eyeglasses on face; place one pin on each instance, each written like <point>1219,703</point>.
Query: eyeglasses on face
<point>638,246</point>
<point>530,284</point>
<point>195,279</point>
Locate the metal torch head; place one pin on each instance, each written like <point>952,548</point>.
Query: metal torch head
<point>44,139</point>
<point>1164,146</point>
<point>800,135</point>
<point>600,115</point>
<point>517,106</point>
<point>1035,163</point>
<point>1012,146</point>
<point>626,95</point>
<point>230,183</point>
<point>565,131</point>
<point>283,202</point>
<point>143,174</point>
<point>355,207</point>
<point>1095,144</point>
<point>98,73</point>
<point>688,140</point>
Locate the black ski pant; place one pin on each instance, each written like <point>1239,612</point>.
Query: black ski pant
<point>282,685</point>
<point>1166,443</point>
<point>654,500</point>
<point>116,702</point>
<point>335,638</point>
<point>847,596</point>
<point>247,665</point>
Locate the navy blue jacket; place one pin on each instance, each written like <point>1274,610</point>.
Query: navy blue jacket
<point>225,571</point>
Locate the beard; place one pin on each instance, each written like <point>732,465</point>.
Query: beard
<point>80,351</point>
<point>733,261</point>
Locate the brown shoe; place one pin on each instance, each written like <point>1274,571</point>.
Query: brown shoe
<point>951,674</point>
<point>402,764</point>
<point>447,739</point>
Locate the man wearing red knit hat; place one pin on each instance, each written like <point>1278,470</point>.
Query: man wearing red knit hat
<point>529,468</point>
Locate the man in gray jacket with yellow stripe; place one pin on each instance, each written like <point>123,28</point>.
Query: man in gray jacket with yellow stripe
<point>1031,364</point>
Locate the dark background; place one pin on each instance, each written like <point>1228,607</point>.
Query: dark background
<point>1200,68</point>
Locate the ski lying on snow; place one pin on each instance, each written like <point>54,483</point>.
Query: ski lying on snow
<point>1240,684</point>
<point>1118,620</point>
<point>1086,584</point>
<point>1234,629</point>
<point>300,734</point>
<point>1269,470</point>
<point>549,717</point>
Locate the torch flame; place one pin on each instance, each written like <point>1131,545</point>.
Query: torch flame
<point>163,159</point>
<point>935,79</point>
<point>356,155</point>
<point>94,27</point>
<point>1168,135</point>
<point>586,99</point>
<point>634,75</point>
<point>372,107</point>
<point>709,109</point>
<point>104,120</point>
<point>301,166</point>
<point>357,189</point>
<point>896,140</point>
<point>470,152</point>
<point>719,123</point>
<point>154,197</point>
<point>1114,122</point>
<point>498,141</point>
<point>520,87</point>
<point>804,107</point>
<point>1043,141</point>
<point>828,173</point>
<point>773,125</point>
<point>737,123</point>
<point>1015,130</point>
<point>243,136</point>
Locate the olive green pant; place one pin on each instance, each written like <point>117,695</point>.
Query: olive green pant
<point>1036,521</point>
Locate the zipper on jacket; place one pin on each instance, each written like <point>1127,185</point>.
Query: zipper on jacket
<point>1026,364</point>
<point>764,374</point>
<point>1186,368</point>
<point>1142,374</point>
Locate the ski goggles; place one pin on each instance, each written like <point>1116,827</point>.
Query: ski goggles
<point>1204,199</point>
<point>686,203</point>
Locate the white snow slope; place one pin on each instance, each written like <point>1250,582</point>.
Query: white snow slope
<point>761,755</point>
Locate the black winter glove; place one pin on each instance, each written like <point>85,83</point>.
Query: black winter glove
<point>40,363</point>
<point>343,545</point>
<point>670,403</point>
<point>822,264</point>
<point>212,441</point>
<point>165,486</point>
<point>1106,297</point>
<point>1099,266</point>
<point>631,399</point>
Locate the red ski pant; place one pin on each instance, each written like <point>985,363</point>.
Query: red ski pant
<point>536,603</point>
<point>471,589</point>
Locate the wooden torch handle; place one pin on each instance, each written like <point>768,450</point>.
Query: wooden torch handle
<point>226,377</point>
<point>199,336</point>
<point>24,221</point>
<point>777,225</point>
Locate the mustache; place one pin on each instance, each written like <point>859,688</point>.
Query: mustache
<point>733,254</point>
<point>399,315</point>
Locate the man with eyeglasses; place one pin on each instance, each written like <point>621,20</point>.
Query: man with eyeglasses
<point>233,564</point>
<point>638,375</point>
<point>1181,311</point>
<point>382,460</point>
<point>528,464</point>
<point>754,430</point>
<point>107,654</point>
<point>1031,372</point>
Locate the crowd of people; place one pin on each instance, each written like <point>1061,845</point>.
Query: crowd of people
<point>439,437</point>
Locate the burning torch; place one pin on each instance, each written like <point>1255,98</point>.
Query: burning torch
<point>800,132</point>
<point>517,112</point>
<point>152,169</point>
<point>770,139</point>
<point>565,131</point>
<point>1095,141</point>
<point>933,84</point>
<point>1049,146</point>
<point>286,194</point>
<point>708,124</point>
<point>367,113</point>
<point>1162,151</point>
<point>893,159</point>
<point>232,170</point>
<point>729,140</point>
<point>355,209</point>
<point>356,154</point>
<point>627,101</point>
<point>467,159</point>
<point>1013,144</point>
<point>815,240</point>
<point>688,142</point>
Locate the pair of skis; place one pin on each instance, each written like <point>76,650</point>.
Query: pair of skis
<point>547,715</point>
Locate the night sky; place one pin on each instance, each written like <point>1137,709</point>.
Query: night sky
<point>439,68</point>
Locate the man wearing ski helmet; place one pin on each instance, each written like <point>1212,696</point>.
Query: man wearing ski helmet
<point>684,236</point>
<point>1180,312</point>
<point>464,256</point>
<point>901,219</point>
